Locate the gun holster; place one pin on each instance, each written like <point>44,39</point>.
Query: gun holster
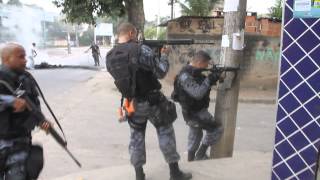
<point>166,114</point>
<point>35,161</point>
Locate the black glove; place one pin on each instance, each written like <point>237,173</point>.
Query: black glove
<point>213,78</point>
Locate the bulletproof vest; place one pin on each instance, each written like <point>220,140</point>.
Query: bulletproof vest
<point>186,101</point>
<point>12,124</point>
<point>146,82</point>
<point>95,49</point>
<point>131,81</point>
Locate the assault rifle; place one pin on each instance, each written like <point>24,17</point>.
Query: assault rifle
<point>157,45</point>
<point>39,118</point>
<point>220,69</point>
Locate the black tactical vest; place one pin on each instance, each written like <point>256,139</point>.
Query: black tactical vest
<point>12,124</point>
<point>146,82</point>
<point>130,79</point>
<point>186,101</point>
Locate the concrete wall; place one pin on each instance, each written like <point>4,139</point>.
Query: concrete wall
<point>260,65</point>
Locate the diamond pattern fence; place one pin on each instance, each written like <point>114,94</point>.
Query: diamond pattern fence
<point>297,138</point>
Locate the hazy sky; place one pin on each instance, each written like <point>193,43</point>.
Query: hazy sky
<point>152,7</point>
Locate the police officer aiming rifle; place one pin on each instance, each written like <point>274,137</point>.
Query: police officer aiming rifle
<point>136,71</point>
<point>192,91</point>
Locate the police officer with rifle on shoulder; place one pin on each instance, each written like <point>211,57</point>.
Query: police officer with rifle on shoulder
<point>20,113</point>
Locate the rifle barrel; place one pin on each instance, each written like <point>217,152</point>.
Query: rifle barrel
<point>160,43</point>
<point>73,157</point>
<point>63,143</point>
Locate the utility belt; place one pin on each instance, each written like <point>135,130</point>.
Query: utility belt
<point>127,107</point>
<point>153,97</point>
<point>16,142</point>
<point>12,136</point>
<point>158,109</point>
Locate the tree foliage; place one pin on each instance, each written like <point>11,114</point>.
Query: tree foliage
<point>197,7</point>
<point>14,2</point>
<point>58,29</point>
<point>84,11</point>
<point>150,31</point>
<point>87,37</point>
<point>87,11</point>
<point>276,10</point>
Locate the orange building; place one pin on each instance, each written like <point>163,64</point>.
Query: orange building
<point>263,26</point>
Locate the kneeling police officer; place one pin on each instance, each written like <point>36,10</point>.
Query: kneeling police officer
<point>192,91</point>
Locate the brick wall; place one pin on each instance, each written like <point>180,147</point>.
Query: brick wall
<point>269,27</point>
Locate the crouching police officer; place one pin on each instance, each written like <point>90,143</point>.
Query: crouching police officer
<point>192,91</point>
<point>19,159</point>
<point>136,69</point>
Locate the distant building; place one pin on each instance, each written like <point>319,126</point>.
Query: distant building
<point>24,24</point>
<point>103,33</point>
<point>263,26</point>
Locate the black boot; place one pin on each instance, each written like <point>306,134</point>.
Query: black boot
<point>191,156</point>
<point>139,173</point>
<point>177,174</point>
<point>201,154</point>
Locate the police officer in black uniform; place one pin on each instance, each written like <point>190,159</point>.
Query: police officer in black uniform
<point>192,91</point>
<point>149,102</point>
<point>16,123</point>
<point>95,53</point>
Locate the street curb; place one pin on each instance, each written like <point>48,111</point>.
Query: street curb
<point>249,101</point>
<point>253,101</point>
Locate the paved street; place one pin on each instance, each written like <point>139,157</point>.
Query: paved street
<point>78,57</point>
<point>87,104</point>
<point>59,81</point>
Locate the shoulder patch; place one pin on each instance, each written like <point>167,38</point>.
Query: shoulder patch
<point>183,77</point>
<point>146,50</point>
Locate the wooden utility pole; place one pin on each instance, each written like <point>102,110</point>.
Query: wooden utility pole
<point>172,5</point>
<point>228,92</point>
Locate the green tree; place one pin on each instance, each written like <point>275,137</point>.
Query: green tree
<point>86,11</point>
<point>276,10</point>
<point>87,37</point>
<point>14,2</point>
<point>150,29</point>
<point>150,32</point>
<point>197,7</point>
<point>56,29</point>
